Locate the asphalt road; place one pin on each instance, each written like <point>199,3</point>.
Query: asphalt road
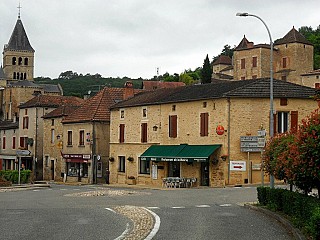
<point>208,213</point>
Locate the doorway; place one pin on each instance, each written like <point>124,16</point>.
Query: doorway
<point>52,169</point>
<point>174,169</point>
<point>204,174</point>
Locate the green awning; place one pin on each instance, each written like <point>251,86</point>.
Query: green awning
<point>179,153</point>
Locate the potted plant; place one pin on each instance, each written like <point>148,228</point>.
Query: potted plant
<point>130,159</point>
<point>131,180</point>
<point>111,159</point>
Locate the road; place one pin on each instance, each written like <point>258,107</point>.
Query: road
<point>78,212</point>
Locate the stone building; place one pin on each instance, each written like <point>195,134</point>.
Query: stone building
<point>311,79</point>
<point>31,134</point>
<point>85,137</point>
<point>203,132</point>
<point>292,58</point>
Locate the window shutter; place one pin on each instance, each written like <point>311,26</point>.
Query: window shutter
<point>275,124</point>
<point>173,126</point>
<point>121,137</point>
<point>144,132</point>
<point>294,121</point>
<point>204,124</point>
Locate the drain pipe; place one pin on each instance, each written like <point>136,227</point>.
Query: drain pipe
<point>229,135</point>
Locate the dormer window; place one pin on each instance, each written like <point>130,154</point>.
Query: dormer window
<point>121,114</point>
<point>144,112</point>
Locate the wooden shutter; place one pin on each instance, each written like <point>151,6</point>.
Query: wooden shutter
<point>243,63</point>
<point>204,124</point>
<point>173,126</point>
<point>3,142</point>
<point>13,142</point>
<point>254,61</point>
<point>121,133</point>
<point>275,124</point>
<point>294,121</point>
<point>144,132</point>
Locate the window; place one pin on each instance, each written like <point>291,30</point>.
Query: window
<point>284,62</point>
<point>46,160</point>
<point>26,60</point>
<point>254,61</point>
<point>122,164</point>
<point>24,76</point>
<point>77,169</point>
<point>281,122</point>
<point>243,63</point>
<point>121,133</point>
<point>121,114</point>
<point>52,122</point>
<point>254,77</point>
<point>173,108</point>
<point>144,112</point>
<point>14,142</point>
<point>204,117</point>
<point>69,138</point>
<point>243,78</point>
<point>14,75</point>
<point>204,104</point>
<point>173,126</point>
<point>19,60</point>
<point>3,142</point>
<point>284,78</point>
<point>23,142</point>
<point>144,132</point>
<point>283,101</point>
<point>81,138</point>
<point>14,61</point>
<point>52,135</point>
<point>144,167</point>
<point>25,123</point>
<point>26,111</point>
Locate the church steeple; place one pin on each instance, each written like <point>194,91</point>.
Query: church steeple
<point>18,54</point>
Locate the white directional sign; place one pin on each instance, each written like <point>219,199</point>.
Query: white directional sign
<point>23,152</point>
<point>252,143</point>
<point>238,165</point>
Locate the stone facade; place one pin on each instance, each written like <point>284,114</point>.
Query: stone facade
<point>238,116</point>
<point>311,79</point>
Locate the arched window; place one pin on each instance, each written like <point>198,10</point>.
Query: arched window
<point>14,75</point>
<point>18,75</point>
<point>26,60</point>
<point>20,61</point>
<point>21,76</point>
<point>14,61</point>
<point>24,76</point>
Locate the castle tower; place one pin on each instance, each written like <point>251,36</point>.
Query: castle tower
<point>18,55</point>
<point>295,57</point>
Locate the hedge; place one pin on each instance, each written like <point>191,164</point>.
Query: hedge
<point>13,175</point>
<point>303,210</point>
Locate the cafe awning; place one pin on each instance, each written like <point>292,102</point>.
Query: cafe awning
<point>179,153</point>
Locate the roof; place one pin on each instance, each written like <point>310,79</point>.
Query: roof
<point>8,125</point>
<point>19,40</point>
<point>244,44</point>
<point>222,59</point>
<point>24,83</point>
<point>151,85</point>
<point>183,152</point>
<point>2,76</point>
<point>255,88</point>
<point>50,88</point>
<point>293,36</point>
<point>96,108</point>
<point>61,111</point>
<point>314,72</point>
<point>51,101</point>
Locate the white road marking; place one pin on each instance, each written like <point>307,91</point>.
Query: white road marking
<point>122,236</point>
<point>153,207</point>
<point>178,207</point>
<point>155,227</point>
<point>63,189</point>
<point>111,210</point>
<point>225,205</point>
<point>76,189</point>
<point>202,206</point>
<point>36,190</point>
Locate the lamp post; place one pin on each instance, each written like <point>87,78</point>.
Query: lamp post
<point>271,81</point>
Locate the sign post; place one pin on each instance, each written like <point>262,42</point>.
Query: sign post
<point>20,153</point>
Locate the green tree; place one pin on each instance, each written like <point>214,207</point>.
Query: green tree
<point>186,78</point>
<point>313,36</point>
<point>206,71</point>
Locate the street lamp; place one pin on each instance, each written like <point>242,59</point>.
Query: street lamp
<point>271,81</point>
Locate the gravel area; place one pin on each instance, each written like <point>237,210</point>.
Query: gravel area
<point>106,192</point>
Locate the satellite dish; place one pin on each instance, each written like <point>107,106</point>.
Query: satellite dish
<point>89,92</point>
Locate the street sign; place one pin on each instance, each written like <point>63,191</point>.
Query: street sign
<point>23,152</point>
<point>238,165</point>
<point>252,143</point>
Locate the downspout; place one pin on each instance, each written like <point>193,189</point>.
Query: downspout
<point>229,135</point>
<point>94,157</point>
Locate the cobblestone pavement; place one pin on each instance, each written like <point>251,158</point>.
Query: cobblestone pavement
<point>104,192</point>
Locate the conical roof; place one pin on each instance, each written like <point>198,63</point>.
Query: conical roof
<point>293,36</point>
<point>19,40</point>
<point>244,44</point>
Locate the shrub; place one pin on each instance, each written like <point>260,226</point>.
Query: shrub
<point>13,176</point>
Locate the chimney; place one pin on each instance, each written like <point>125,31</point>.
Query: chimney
<point>128,90</point>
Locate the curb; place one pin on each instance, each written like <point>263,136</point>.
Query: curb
<point>296,233</point>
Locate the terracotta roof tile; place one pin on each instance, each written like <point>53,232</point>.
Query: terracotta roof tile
<point>223,59</point>
<point>61,111</point>
<point>97,108</point>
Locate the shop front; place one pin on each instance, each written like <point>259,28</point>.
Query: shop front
<point>77,167</point>
<point>181,163</point>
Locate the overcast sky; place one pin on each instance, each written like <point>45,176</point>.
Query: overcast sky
<point>133,38</point>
